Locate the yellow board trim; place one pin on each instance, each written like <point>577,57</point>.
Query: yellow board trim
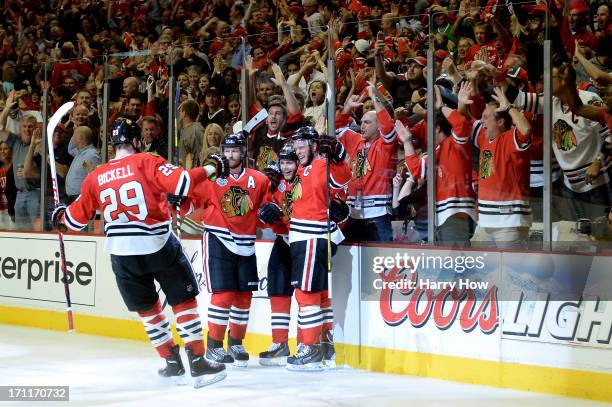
<point>564,382</point>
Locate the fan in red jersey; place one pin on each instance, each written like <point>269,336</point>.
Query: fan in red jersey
<point>455,200</point>
<point>228,250</point>
<point>309,232</point>
<point>130,190</point>
<point>277,214</point>
<point>372,163</point>
<point>503,137</point>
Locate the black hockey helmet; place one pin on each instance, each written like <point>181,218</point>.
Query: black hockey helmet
<point>272,167</point>
<point>124,131</point>
<point>306,133</point>
<point>288,152</point>
<point>234,140</point>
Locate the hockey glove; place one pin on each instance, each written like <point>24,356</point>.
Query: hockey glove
<point>56,217</point>
<point>220,163</point>
<point>175,200</point>
<point>269,213</point>
<point>274,174</point>
<point>333,149</point>
<point>338,211</point>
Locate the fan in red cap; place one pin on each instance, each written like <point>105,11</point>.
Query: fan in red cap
<point>574,27</point>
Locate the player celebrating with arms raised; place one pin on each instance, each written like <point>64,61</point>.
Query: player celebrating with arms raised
<point>130,190</point>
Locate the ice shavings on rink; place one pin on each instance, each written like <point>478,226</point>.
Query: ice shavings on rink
<point>115,372</point>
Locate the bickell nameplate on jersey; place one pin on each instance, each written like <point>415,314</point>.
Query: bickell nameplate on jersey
<point>34,393</point>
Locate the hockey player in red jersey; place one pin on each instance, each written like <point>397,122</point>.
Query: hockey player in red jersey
<point>130,190</point>
<point>277,214</point>
<point>228,250</point>
<point>308,241</point>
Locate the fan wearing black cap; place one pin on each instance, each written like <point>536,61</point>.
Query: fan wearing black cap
<point>212,112</point>
<point>228,249</point>
<point>400,86</point>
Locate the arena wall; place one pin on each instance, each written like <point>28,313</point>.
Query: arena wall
<point>559,344</point>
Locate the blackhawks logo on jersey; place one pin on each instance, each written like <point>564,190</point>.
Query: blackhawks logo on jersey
<point>564,136</point>
<point>266,156</point>
<point>286,205</point>
<point>236,202</point>
<point>289,198</point>
<point>296,192</point>
<point>486,164</point>
<point>360,165</point>
<point>595,101</point>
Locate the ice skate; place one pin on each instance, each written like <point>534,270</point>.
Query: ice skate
<point>204,373</point>
<point>238,353</point>
<point>275,356</point>
<point>174,370</point>
<point>328,350</point>
<point>216,353</point>
<point>308,358</point>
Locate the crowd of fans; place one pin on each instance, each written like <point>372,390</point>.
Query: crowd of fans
<point>489,72</point>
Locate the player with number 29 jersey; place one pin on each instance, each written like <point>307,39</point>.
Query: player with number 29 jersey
<point>131,192</point>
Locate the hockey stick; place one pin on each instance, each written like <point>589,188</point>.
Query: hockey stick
<point>177,209</point>
<point>331,132</point>
<point>53,122</point>
<point>177,204</point>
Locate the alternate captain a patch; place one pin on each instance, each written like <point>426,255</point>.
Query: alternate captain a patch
<point>236,202</point>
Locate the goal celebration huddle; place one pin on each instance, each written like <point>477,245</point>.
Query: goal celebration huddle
<point>301,198</point>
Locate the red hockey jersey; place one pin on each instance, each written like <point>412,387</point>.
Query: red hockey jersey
<point>372,166</point>
<point>131,193</point>
<point>503,178</point>
<point>230,208</point>
<point>309,211</point>
<point>454,193</point>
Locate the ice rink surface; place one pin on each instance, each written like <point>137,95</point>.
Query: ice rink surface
<point>114,372</point>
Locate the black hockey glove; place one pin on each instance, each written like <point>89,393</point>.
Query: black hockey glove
<point>269,213</point>
<point>56,216</point>
<point>333,149</point>
<point>274,174</point>
<point>175,199</point>
<point>219,162</point>
<point>338,211</point>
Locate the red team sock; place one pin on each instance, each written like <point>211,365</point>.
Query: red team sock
<point>327,311</point>
<point>218,313</point>
<point>310,319</point>
<point>281,309</point>
<point>189,326</point>
<point>239,314</point>
<point>158,329</point>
